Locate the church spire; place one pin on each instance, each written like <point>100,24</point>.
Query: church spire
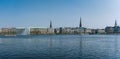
<point>115,23</point>
<point>50,24</point>
<point>80,25</point>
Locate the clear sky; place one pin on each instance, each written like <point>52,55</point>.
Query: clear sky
<point>62,13</point>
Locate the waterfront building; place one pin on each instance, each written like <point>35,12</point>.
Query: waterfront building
<point>109,30</point>
<point>80,30</point>
<point>93,31</point>
<point>100,31</point>
<point>68,30</point>
<point>8,31</point>
<point>50,30</point>
<point>116,28</point>
<point>88,31</point>
<point>20,31</point>
<point>112,30</point>
<point>57,31</point>
<point>60,30</point>
<point>12,31</point>
<point>72,30</point>
<point>37,31</point>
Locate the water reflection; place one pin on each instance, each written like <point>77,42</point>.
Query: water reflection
<point>50,47</point>
<point>0,41</point>
<point>116,46</point>
<point>81,47</point>
<point>61,47</point>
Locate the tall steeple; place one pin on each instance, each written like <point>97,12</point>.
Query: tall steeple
<point>80,25</point>
<point>50,24</point>
<point>115,23</point>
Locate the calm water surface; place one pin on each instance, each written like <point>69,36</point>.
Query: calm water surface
<point>60,47</point>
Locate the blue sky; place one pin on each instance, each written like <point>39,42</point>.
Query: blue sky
<point>62,13</point>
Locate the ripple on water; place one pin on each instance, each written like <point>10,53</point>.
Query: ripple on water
<point>60,47</point>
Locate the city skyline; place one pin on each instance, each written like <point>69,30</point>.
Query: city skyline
<point>62,13</point>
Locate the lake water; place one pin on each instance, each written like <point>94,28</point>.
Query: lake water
<point>60,47</point>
